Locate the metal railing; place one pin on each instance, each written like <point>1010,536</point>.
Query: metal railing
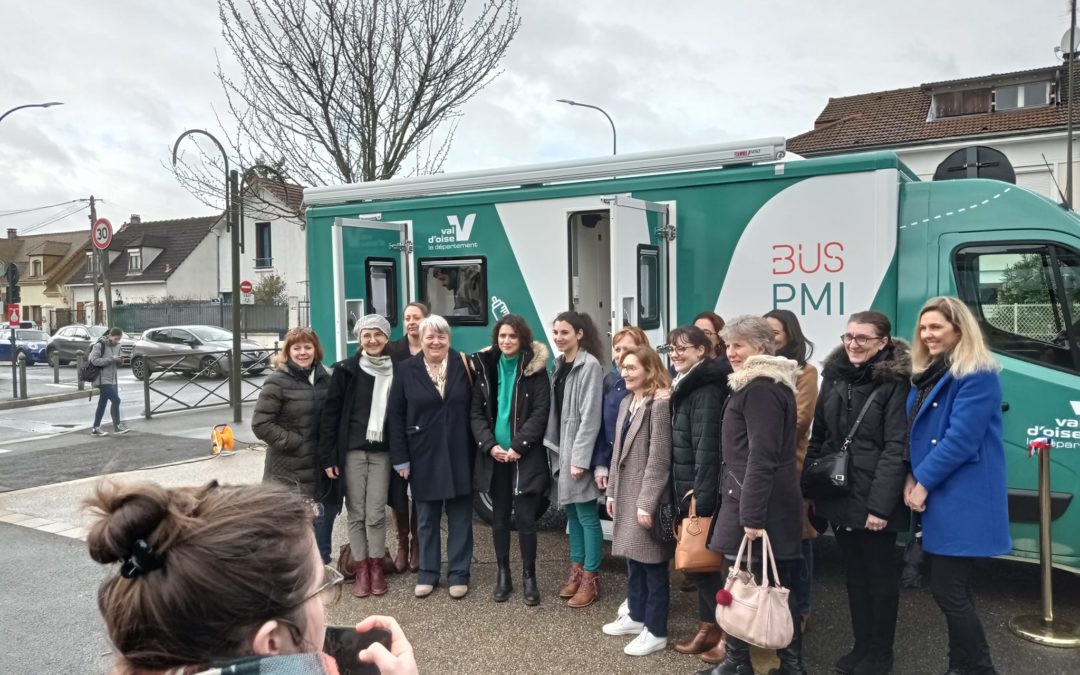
<point>1042,322</point>
<point>198,379</point>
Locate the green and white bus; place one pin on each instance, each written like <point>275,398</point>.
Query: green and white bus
<point>651,239</point>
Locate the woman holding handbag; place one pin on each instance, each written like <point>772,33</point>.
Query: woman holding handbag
<point>759,483</point>
<point>640,471</point>
<point>866,380</point>
<point>697,399</point>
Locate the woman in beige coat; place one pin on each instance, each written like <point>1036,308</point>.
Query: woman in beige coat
<point>639,479</point>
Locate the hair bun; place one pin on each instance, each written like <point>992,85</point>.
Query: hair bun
<point>124,514</point>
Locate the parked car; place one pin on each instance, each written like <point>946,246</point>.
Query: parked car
<point>194,349</point>
<point>79,337</point>
<point>29,341</point>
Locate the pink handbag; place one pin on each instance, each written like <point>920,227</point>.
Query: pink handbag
<point>757,614</point>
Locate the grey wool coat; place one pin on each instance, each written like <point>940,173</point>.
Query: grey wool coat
<point>571,432</point>
<point>640,467</point>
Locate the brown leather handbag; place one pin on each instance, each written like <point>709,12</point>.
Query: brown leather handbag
<point>692,535</point>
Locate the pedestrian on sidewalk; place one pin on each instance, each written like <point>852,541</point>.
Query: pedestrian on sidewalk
<point>105,354</point>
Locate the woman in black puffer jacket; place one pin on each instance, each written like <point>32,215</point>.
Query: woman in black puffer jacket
<point>287,416</point>
<point>866,519</point>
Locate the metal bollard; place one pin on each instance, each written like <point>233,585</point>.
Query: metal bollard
<point>146,387</point>
<point>80,361</point>
<point>55,368</point>
<point>22,376</point>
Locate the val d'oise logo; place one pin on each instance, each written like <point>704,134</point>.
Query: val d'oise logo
<point>457,236</point>
<point>1063,433</point>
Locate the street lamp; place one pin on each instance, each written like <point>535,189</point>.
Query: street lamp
<point>31,105</point>
<point>614,147</point>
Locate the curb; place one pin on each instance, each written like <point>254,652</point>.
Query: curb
<point>43,400</point>
<point>43,525</point>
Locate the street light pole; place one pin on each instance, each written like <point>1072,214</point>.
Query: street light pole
<point>614,139</point>
<point>30,105</point>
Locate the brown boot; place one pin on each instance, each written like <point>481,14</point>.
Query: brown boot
<point>345,564</point>
<point>378,581</point>
<point>400,559</point>
<point>572,581</point>
<point>588,592</point>
<point>717,654</point>
<point>708,634</point>
<point>414,547</point>
<point>362,586</point>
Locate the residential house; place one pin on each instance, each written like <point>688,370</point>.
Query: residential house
<point>45,263</point>
<point>1021,114</point>
<point>151,261</point>
<point>274,241</point>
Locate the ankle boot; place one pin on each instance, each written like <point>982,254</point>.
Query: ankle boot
<point>706,637</point>
<point>362,585</point>
<point>736,662</point>
<point>400,559</point>
<point>877,662</point>
<point>503,583</point>
<point>378,580</point>
<point>791,660</point>
<point>717,654</point>
<point>588,591</point>
<point>528,587</point>
<point>573,580</point>
<point>414,547</point>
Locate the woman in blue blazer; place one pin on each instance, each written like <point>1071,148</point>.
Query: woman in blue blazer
<point>958,467</point>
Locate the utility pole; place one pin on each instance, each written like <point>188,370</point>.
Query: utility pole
<point>1070,57</point>
<point>95,259</point>
<point>236,218</point>
<point>103,265</point>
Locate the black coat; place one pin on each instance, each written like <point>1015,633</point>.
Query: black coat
<point>696,405</point>
<point>759,481</point>
<point>287,418</point>
<point>431,432</point>
<point>877,466</point>
<point>532,398</point>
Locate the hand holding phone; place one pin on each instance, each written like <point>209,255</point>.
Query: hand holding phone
<point>399,660</point>
<point>344,644</point>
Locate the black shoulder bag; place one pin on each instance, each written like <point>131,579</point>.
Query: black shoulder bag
<point>828,476</point>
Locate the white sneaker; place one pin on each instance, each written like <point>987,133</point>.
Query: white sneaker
<point>623,625</point>
<point>624,608</point>
<point>644,644</point>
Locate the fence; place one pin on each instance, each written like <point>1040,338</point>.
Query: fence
<point>1041,322</point>
<point>253,318</point>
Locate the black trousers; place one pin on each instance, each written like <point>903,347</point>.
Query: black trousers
<point>873,586</point>
<point>950,583</point>
<point>708,583</point>
<point>648,595</point>
<point>791,661</point>
<point>504,504</point>
<point>459,539</point>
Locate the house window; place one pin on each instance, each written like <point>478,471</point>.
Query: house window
<point>455,288</point>
<point>382,292</point>
<point>1015,96</point>
<point>967,102</point>
<point>35,268</point>
<point>1027,298</point>
<point>264,257</point>
<point>648,283</point>
<point>135,261</point>
<point>91,263</point>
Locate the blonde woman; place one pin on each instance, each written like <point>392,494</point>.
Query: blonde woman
<point>957,476</point>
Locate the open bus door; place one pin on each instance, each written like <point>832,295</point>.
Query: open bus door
<point>640,276</point>
<point>372,263</point>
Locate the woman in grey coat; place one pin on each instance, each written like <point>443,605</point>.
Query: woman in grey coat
<point>577,389</point>
<point>640,474</point>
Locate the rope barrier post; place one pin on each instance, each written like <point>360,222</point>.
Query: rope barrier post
<point>22,376</point>
<point>1044,628</point>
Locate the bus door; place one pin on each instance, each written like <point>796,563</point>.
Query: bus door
<point>641,234</point>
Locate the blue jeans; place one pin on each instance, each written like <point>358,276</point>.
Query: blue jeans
<point>106,393</point>
<point>648,595</point>
<point>324,532</point>
<point>802,582</point>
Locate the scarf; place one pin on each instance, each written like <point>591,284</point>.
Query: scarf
<point>924,382</point>
<point>305,373</point>
<point>382,369</point>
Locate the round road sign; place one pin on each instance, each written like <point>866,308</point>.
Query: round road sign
<point>245,287</point>
<point>102,235</point>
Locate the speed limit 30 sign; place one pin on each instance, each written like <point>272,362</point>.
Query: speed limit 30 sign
<point>102,235</point>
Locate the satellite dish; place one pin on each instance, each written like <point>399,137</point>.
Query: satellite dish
<point>976,161</point>
<point>1065,42</point>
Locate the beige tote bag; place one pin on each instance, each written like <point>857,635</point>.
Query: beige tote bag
<point>757,614</point>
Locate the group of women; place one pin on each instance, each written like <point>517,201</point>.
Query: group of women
<point>726,431</point>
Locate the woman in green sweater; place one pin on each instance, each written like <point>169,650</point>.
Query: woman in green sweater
<point>509,414</point>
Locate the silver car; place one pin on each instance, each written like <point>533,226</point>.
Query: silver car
<point>80,337</point>
<point>194,350</point>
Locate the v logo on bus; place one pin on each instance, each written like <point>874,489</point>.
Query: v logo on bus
<point>462,232</point>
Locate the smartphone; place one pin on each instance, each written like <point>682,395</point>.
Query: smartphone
<point>344,644</point>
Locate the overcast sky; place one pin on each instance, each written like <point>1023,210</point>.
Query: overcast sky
<point>133,74</point>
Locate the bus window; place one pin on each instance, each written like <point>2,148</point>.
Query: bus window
<point>455,288</point>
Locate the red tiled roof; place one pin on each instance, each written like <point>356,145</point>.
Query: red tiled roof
<point>900,117</point>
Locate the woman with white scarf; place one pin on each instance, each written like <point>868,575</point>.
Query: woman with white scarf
<point>353,451</point>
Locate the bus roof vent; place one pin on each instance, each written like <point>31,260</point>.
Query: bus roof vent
<point>976,161</point>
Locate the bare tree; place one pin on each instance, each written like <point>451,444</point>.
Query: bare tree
<point>333,91</point>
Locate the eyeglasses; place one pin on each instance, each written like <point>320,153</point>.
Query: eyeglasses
<point>708,333</point>
<point>860,340</point>
<point>330,588</point>
<point>678,350</point>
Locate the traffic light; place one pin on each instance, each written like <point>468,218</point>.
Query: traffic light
<point>12,295</point>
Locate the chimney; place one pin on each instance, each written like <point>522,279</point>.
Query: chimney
<point>12,233</point>
<point>135,218</point>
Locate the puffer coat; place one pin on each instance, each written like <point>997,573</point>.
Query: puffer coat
<point>696,405</point>
<point>877,466</point>
<point>287,417</point>
<point>528,419</point>
<point>640,466</point>
<point>759,483</point>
